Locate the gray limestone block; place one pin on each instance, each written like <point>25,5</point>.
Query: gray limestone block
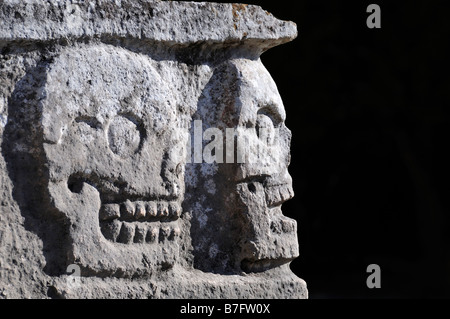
<point>170,22</point>
<point>143,148</point>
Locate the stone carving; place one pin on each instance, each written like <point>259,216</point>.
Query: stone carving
<point>115,152</point>
<point>99,102</point>
<point>246,204</point>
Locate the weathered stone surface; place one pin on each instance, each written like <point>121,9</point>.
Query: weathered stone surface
<point>173,23</point>
<point>99,169</point>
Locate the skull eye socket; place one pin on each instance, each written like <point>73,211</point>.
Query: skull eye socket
<point>124,136</point>
<point>266,123</point>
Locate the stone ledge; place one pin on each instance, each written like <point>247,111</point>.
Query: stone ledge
<point>189,284</point>
<point>176,23</point>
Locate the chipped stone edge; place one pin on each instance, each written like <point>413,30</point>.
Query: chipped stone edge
<point>207,22</point>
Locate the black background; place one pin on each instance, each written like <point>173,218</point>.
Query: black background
<point>369,151</point>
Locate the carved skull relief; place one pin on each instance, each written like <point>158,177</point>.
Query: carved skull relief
<point>114,142</point>
<point>114,145</point>
<point>146,149</point>
<point>239,224</point>
<point>263,183</point>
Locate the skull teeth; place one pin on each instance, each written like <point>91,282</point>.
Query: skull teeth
<point>127,233</point>
<point>140,211</point>
<point>276,195</point>
<point>139,233</point>
<point>109,212</point>
<point>283,225</point>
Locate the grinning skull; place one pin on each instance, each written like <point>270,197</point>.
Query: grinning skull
<point>243,227</point>
<point>262,180</point>
<point>114,144</point>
